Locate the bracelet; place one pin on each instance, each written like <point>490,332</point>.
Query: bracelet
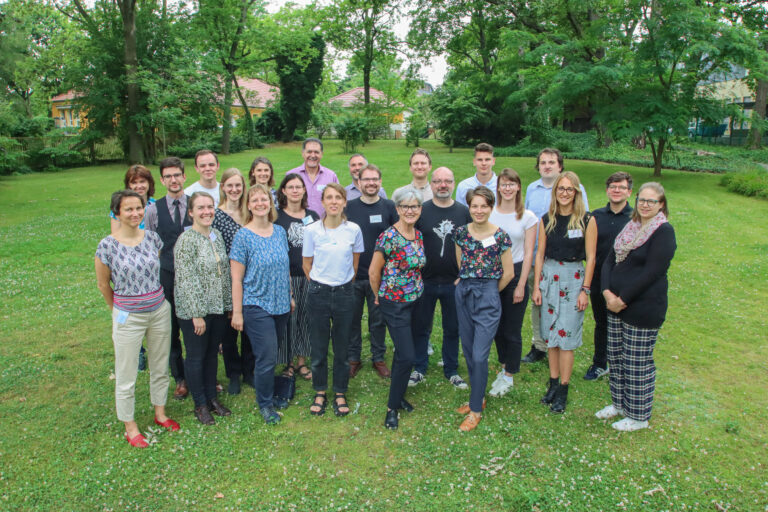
<point>585,289</point>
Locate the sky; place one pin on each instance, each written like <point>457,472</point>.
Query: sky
<point>434,72</point>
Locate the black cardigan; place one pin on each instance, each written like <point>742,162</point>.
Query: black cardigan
<point>641,279</point>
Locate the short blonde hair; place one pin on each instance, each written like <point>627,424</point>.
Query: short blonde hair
<point>272,217</point>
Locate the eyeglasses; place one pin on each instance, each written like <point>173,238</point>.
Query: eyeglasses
<point>648,202</point>
<point>566,190</point>
<point>442,182</point>
<point>173,176</point>
<point>509,185</point>
<point>618,187</point>
<point>296,187</point>
<point>409,207</point>
<point>369,180</point>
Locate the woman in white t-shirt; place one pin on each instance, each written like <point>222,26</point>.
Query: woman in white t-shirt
<point>520,224</point>
<point>331,252</point>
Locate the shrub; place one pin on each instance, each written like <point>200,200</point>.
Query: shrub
<point>186,148</point>
<point>352,130</point>
<point>753,183</point>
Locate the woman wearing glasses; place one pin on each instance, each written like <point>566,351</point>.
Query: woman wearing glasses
<point>634,282</point>
<point>400,254</point>
<point>567,237</point>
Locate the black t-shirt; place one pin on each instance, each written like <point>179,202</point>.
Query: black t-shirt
<point>294,228</point>
<point>609,225</point>
<point>373,219</point>
<point>437,226</point>
<point>564,244</point>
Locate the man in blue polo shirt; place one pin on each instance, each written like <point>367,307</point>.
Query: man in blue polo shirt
<point>549,163</point>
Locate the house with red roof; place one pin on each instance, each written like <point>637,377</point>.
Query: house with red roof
<point>356,96</point>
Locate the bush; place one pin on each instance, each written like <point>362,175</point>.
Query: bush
<point>186,148</point>
<point>352,130</point>
<point>270,125</point>
<point>752,183</point>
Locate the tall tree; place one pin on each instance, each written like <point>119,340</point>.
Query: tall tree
<point>299,80</point>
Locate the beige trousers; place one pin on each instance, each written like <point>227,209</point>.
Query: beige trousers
<point>538,341</point>
<point>127,334</point>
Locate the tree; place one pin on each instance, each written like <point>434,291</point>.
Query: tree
<point>298,84</point>
<point>455,110</point>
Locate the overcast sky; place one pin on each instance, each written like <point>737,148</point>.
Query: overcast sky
<point>434,72</point>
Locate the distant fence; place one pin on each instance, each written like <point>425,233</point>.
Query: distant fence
<point>726,140</point>
<point>38,153</point>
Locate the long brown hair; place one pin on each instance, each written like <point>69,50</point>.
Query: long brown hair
<point>338,188</point>
<point>136,172</point>
<point>510,174</point>
<point>282,198</point>
<point>242,205</point>
<point>656,187</point>
<point>272,217</point>
<point>262,160</point>
<point>576,220</point>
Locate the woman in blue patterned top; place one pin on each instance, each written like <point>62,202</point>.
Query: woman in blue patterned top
<point>486,267</point>
<point>129,258</point>
<point>400,255</point>
<point>261,292</point>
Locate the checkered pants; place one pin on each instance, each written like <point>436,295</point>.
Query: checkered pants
<point>633,373</point>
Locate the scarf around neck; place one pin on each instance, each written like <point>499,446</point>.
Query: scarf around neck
<point>634,235</point>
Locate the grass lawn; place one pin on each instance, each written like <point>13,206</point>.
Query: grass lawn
<point>62,447</point>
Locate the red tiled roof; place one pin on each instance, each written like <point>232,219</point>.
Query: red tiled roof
<point>69,95</point>
<point>257,92</point>
<point>356,95</point>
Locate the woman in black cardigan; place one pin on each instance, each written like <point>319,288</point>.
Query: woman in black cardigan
<point>635,287</point>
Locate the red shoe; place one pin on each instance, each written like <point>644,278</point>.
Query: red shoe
<point>169,424</point>
<point>137,442</point>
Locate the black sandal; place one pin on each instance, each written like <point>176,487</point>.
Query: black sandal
<point>288,371</point>
<point>321,404</point>
<point>307,374</point>
<point>337,406</point>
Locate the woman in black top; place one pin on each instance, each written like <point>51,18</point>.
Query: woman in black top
<point>293,215</point>
<point>567,237</point>
<point>635,287</point>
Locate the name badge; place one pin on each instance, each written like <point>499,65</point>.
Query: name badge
<point>212,236</point>
<point>375,219</point>
<point>122,316</point>
<point>320,188</point>
<point>575,233</point>
<point>488,242</point>
<point>307,220</point>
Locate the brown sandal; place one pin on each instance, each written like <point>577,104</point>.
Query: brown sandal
<point>306,374</point>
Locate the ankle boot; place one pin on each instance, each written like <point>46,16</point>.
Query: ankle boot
<point>561,398</point>
<point>553,383</point>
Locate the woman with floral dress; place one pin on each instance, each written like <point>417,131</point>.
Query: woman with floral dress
<point>400,254</point>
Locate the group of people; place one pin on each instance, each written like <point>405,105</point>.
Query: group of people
<point>289,270</point>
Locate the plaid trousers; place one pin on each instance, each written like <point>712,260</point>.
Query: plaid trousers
<point>633,373</point>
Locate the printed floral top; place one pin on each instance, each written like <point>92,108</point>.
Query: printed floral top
<point>401,278</point>
<point>203,283</point>
<point>478,261</point>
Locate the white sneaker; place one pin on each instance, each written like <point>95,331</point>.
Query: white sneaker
<point>440,363</point>
<point>430,348</point>
<point>458,382</point>
<point>629,425</point>
<point>503,387</point>
<point>416,378</point>
<point>609,411</point>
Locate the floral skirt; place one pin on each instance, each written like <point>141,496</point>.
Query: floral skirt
<point>561,320</point>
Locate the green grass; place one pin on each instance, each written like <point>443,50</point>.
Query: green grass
<point>62,449</point>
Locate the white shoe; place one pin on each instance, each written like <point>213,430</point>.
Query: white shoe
<point>430,348</point>
<point>458,382</point>
<point>440,363</point>
<point>629,425</point>
<point>502,388</point>
<point>609,411</point>
<point>416,378</point>
<point>499,378</point>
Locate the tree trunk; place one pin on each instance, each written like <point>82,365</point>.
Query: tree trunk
<point>226,124</point>
<point>246,113</point>
<point>755,137</point>
<point>135,151</point>
<point>658,153</point>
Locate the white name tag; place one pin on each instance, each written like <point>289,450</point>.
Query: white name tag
<point>488,242</point>
<point>575,233</point>
<point>122,316</point>
<point>307,220</point>
<point>212,236</point>
<point>320,188</point>
<point>375,219</point>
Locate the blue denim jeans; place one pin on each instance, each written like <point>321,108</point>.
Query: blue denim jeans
<point>330,318</point>
<point>422,319</point>
<point>263,331</point>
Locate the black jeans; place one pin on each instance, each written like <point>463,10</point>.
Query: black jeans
<point>175,356</point>
<point>202,360</point>
<point>376,327</point>
<point>330,317</point>
<point>237,363</point>
<point>422,319</point>
<point>600,313</point>
<point>509,338</point>
<point>399,319</point>
<point>264,330</point>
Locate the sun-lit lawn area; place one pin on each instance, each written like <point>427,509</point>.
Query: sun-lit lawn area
<point>62,448</point>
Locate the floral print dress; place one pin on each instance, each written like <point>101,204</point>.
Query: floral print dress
<point>401,278</point>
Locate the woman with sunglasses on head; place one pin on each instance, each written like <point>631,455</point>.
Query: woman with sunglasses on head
<point>520,224</point>
<point>229,218</point>
<point>129,258</point>
<point>293,216</point>
<point>567,237</point>
<point>400,255</point>
<point>331,252</point>
<point>263,173</point>
<point>485,268</point>
<point>261,292</point>
<point>203,298</point>
<point>634,283</point>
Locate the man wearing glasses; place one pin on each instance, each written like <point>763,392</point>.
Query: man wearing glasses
<point>610,219</point>
<point>439,219</point>
<point>549,163</point>
<point>357,162</point>
<point>373,214</point>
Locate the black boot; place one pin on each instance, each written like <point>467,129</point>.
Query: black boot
<point>551,390</point>
<point>561,398</point>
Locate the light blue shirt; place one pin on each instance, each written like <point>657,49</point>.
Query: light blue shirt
<point>472,183</point>
<point>267,279</point>
<point>354,193</point>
